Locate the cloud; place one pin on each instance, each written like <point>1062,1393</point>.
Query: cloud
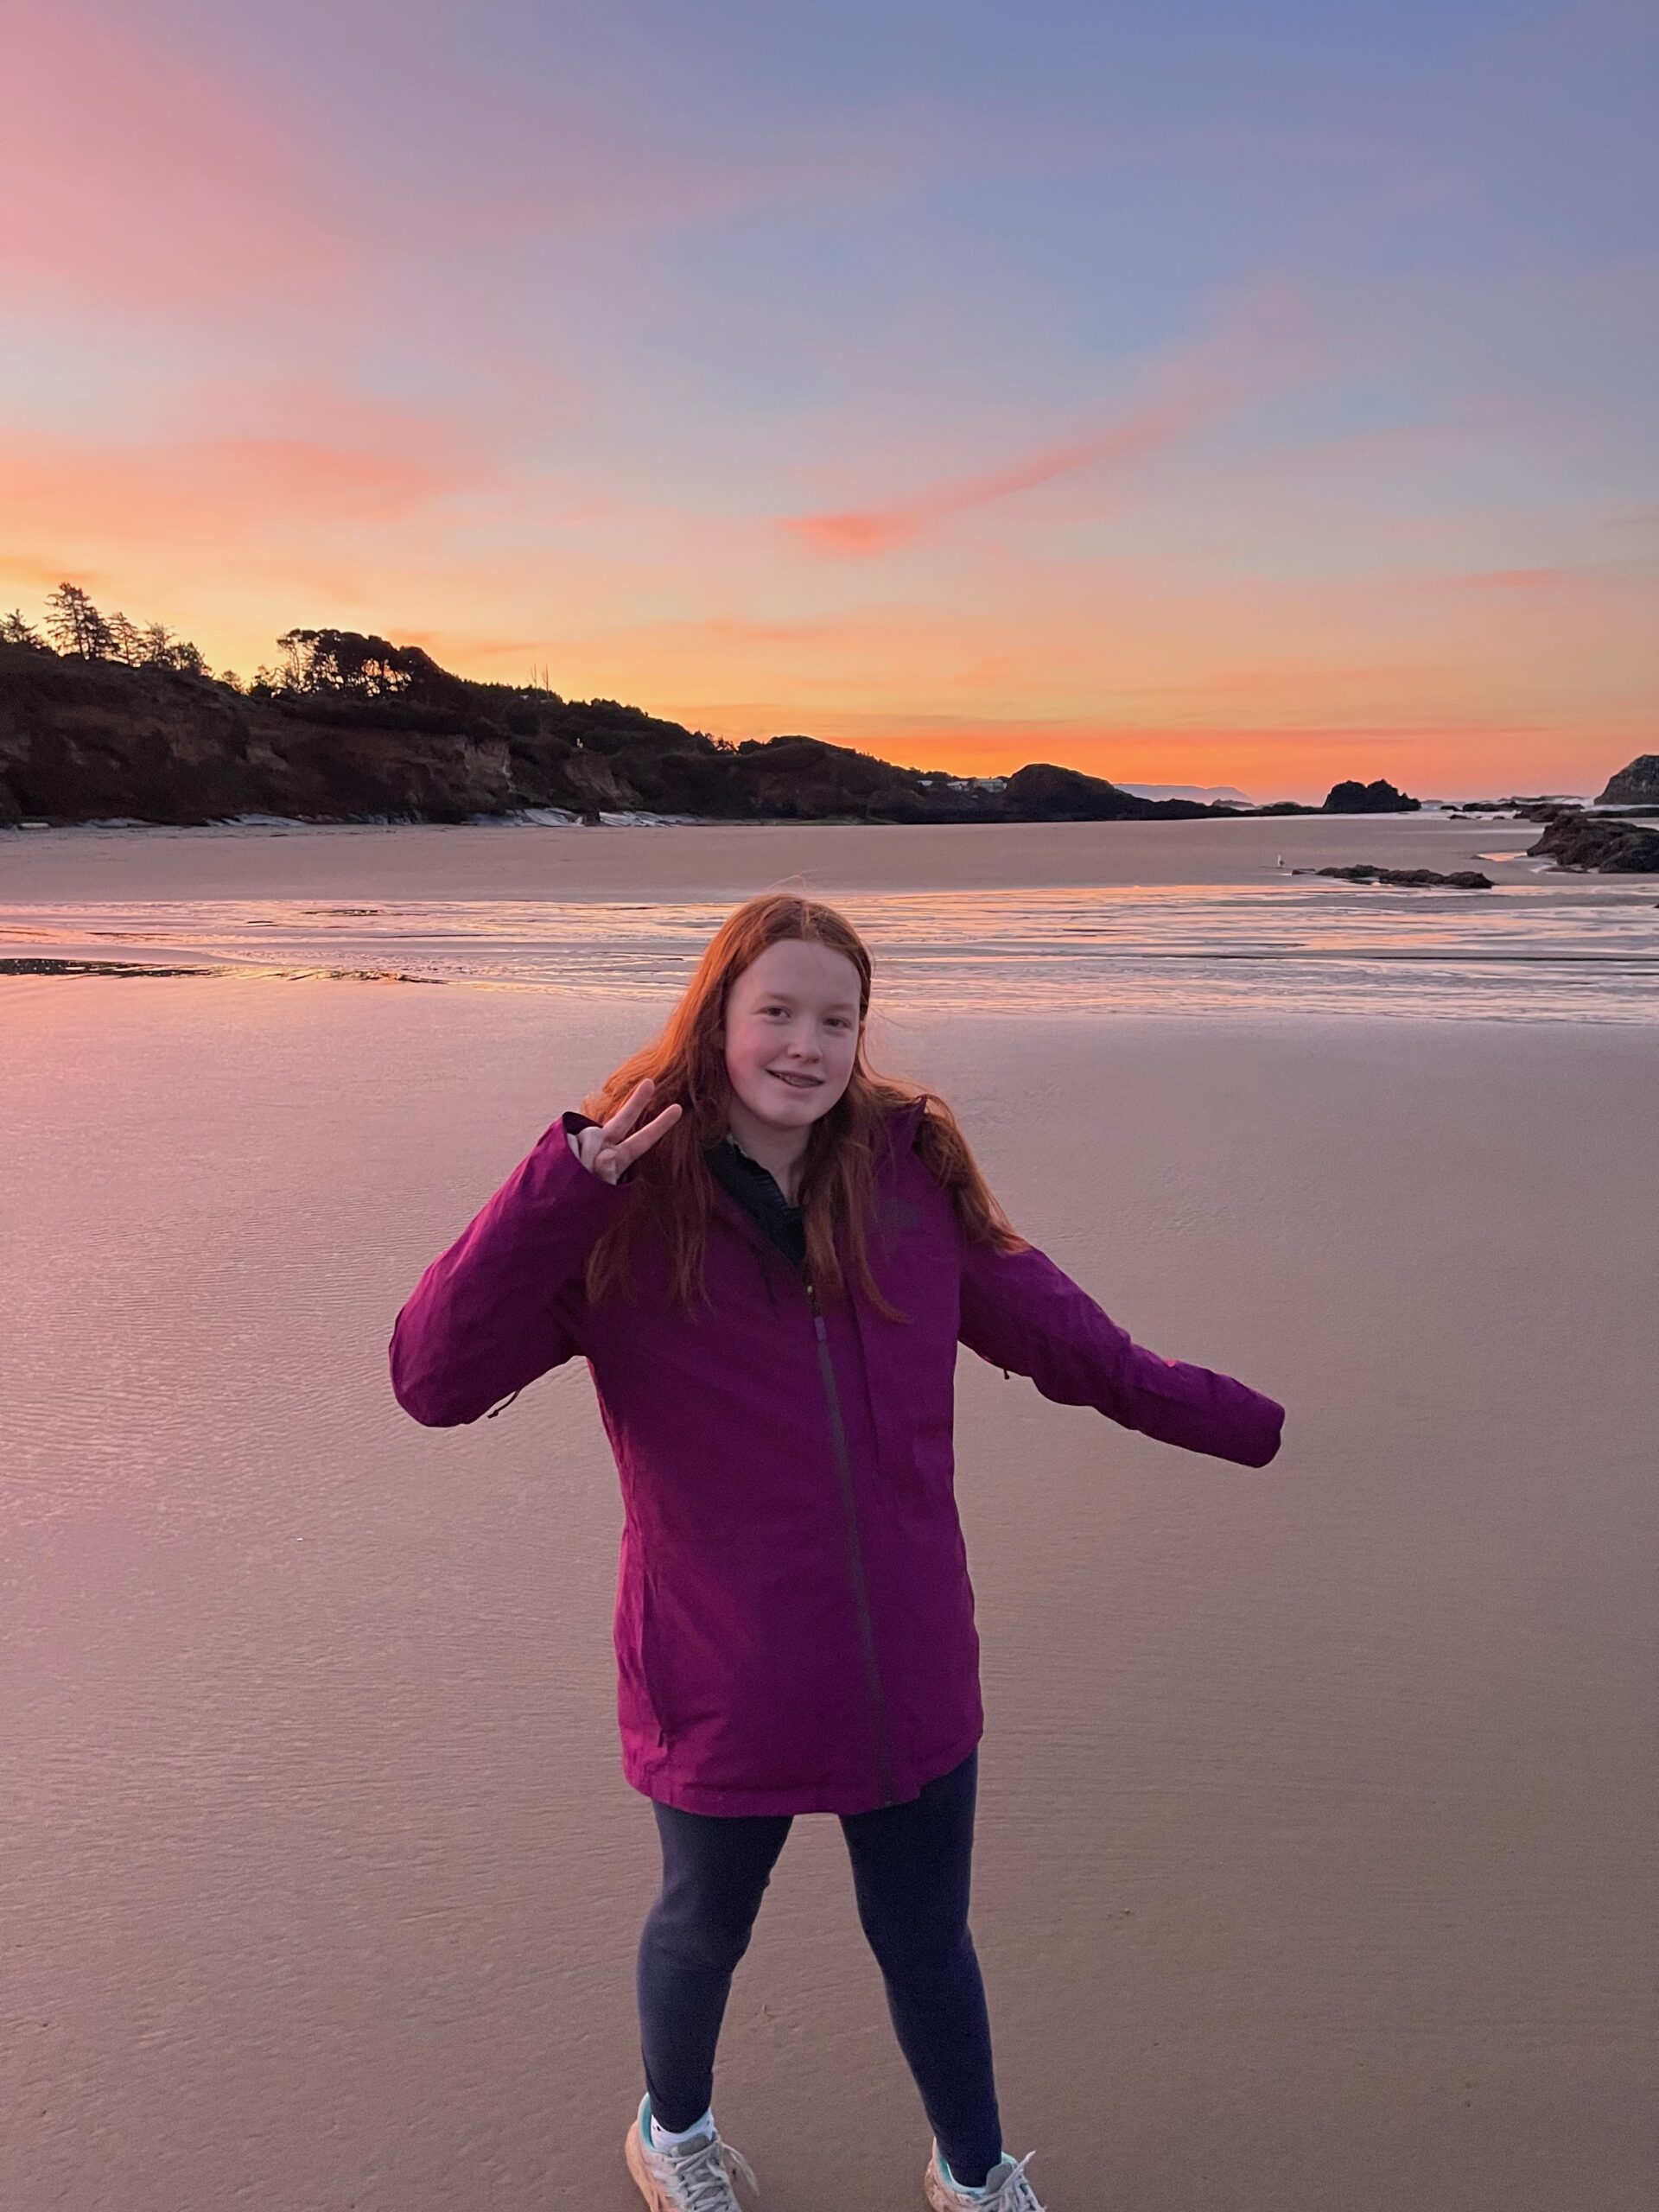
<point>1575,575</point>
<point>860,531</point>
<point>260,463</point>
<point>38,573</point>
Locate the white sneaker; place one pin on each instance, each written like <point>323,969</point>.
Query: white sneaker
<point>1005,2187</point>
<point>697,2177</point>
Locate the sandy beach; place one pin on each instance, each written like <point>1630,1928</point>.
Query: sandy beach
<point>1317,1802</point>
<point>722,860</point>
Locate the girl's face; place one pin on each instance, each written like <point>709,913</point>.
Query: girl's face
<point>792,1032</point>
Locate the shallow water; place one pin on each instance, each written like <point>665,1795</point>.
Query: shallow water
<point>1583,949</point>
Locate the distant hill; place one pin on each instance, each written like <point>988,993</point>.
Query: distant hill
<point>1206,794</point>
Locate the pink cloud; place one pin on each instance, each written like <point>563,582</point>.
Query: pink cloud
<point>1572,576</point>
<point>879,528</point>
<point>133,175</point>
<point>260,463</point>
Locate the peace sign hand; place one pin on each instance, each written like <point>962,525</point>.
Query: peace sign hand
<point>606,1149</point>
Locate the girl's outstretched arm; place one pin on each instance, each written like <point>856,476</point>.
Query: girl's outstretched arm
<point>1019,1312</point>
<point>503,1304</point>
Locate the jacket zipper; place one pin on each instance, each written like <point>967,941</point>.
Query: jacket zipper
<point>855,1552</point>
<point>763,1250</point>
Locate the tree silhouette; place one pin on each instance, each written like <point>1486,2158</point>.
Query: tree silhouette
<point>362,667</point>
<point>14,630</point>
<point>163,649</point>
<point>75,624</point>
<point>126,640</point>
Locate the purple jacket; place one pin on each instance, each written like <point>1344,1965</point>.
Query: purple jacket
<point>794,1620</point>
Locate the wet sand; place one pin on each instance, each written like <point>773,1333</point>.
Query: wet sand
<point>1317,1803</point>
<point>507,861</point>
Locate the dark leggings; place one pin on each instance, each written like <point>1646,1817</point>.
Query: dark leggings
<point>911,1870</point>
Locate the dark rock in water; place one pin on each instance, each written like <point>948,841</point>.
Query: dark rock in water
<point>1380,797</point>
<point>1410,878</point>
<point>1545,810</point>
<point>1609,844</point>
<point>1637,786</point>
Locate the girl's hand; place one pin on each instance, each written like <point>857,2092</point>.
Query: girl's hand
<point>606,1149</point>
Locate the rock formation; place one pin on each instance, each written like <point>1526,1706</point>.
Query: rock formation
<point>1606,843</point>
<point>1637,786</point>
<point>1414,879</point>
<point>1380,797</point>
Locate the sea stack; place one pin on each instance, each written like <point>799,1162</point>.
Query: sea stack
<point>1380,797</point>
<point>1637,786</point>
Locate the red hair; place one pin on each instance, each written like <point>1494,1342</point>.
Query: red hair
<point>687,1063</point>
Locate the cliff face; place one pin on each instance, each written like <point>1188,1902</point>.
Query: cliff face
<point>82,739</point>
<point>1637,786</point>
<point>85,740</point>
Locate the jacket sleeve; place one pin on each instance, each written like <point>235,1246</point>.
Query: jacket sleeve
<point>503,1304</point>
<point>1020,1313</point>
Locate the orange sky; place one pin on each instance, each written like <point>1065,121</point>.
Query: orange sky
<point>1089,404</point>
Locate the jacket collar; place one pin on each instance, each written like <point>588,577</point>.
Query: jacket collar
<point>902,1123</point>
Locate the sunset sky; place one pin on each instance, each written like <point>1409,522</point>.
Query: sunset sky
<point>1198,393</point>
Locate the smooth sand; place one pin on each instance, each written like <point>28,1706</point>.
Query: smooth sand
<point>1316,1861</point>
<point>507,861</point>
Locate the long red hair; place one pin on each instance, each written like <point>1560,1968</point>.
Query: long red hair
<point>687,1063</point>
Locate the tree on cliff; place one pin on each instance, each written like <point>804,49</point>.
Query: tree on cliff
<point>75,626</point>
<point>363,667</point>
<point>126,640</point>
<point>160,648</point>
<point>14,630</point>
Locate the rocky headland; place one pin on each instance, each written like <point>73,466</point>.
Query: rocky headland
<point>356,729</point>
<point>352,728</point>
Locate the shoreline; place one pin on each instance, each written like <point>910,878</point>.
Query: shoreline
<point>501,859</point>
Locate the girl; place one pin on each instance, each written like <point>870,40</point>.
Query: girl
<point>769,1279</point>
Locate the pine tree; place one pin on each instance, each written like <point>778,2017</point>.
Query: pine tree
<point>76,625</point>
<point>126,640</point>
<point>14,630</point>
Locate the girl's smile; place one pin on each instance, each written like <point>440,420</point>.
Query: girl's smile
<point>790,1039</point>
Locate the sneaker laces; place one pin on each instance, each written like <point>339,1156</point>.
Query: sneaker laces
<point>1015,2193</point>
<point>702,2181</point>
